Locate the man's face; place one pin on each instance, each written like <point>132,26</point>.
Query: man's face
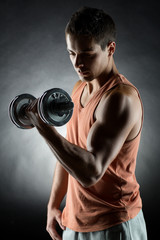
<point>87,57</point>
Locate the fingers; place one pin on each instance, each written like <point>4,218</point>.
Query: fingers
<point>32,105</point>
<point>31,112</point>
<point>54,218</point>
<point>54,235</point>
<point>51,229</point>
<point>58,218</point>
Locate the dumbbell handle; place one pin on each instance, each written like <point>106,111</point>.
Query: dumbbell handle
<point>62,107</point>
<point>59,108</point>
<point>56,107</point>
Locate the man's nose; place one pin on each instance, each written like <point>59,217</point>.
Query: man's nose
<point>78,61</point>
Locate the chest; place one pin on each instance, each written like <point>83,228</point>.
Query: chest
<point>85,98</point>
<point>87,101</point>
<point>82,119</point>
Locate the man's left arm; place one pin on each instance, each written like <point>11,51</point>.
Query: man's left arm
<point>115,119</point>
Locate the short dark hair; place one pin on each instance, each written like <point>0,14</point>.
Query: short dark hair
<point>94,23</point>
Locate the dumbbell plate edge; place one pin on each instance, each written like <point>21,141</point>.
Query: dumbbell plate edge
<point>15,110</point>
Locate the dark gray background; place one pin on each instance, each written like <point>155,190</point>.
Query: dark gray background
<point>33,58</point>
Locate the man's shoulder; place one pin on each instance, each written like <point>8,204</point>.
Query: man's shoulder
<point>122,95</point>
<point>119,91</point>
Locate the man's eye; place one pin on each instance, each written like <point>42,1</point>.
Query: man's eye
<point>71,54</point>
<point>87,55</point>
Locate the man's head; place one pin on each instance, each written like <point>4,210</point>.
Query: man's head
<point>90,38</point>
<point>94,23</point>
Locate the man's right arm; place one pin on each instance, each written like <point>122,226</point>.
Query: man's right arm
<point>59,189</point>
<point>59,186</point>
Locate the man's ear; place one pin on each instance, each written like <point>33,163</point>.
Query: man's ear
<point>111,48</point>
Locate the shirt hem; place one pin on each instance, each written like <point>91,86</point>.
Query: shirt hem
<point>101,227</point>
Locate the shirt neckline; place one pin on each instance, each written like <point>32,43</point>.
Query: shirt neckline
<point>96,93</point>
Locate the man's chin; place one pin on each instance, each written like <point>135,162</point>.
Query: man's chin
<point>86,79</point>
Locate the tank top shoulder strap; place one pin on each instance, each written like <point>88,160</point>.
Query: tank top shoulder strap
<point>78,89</point>
<point>111,83</point>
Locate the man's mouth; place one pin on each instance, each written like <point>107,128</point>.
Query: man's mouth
<point>83,73</point>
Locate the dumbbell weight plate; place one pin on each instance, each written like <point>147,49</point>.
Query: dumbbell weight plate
<point>17,110</point>
<point>55,107</point>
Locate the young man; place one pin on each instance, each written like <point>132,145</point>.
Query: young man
<point>97,160</point>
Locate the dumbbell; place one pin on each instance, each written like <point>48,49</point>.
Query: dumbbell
<point>55,108</point>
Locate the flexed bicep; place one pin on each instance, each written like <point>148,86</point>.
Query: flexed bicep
<point>107,135</point>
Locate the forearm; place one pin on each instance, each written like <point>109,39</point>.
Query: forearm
<point>59,186</point>
<point>77,161</point>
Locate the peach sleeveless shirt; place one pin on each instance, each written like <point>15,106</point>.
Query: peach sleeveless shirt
<point>116,197</point>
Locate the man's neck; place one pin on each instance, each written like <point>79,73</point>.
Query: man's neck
<point>96,84</point>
